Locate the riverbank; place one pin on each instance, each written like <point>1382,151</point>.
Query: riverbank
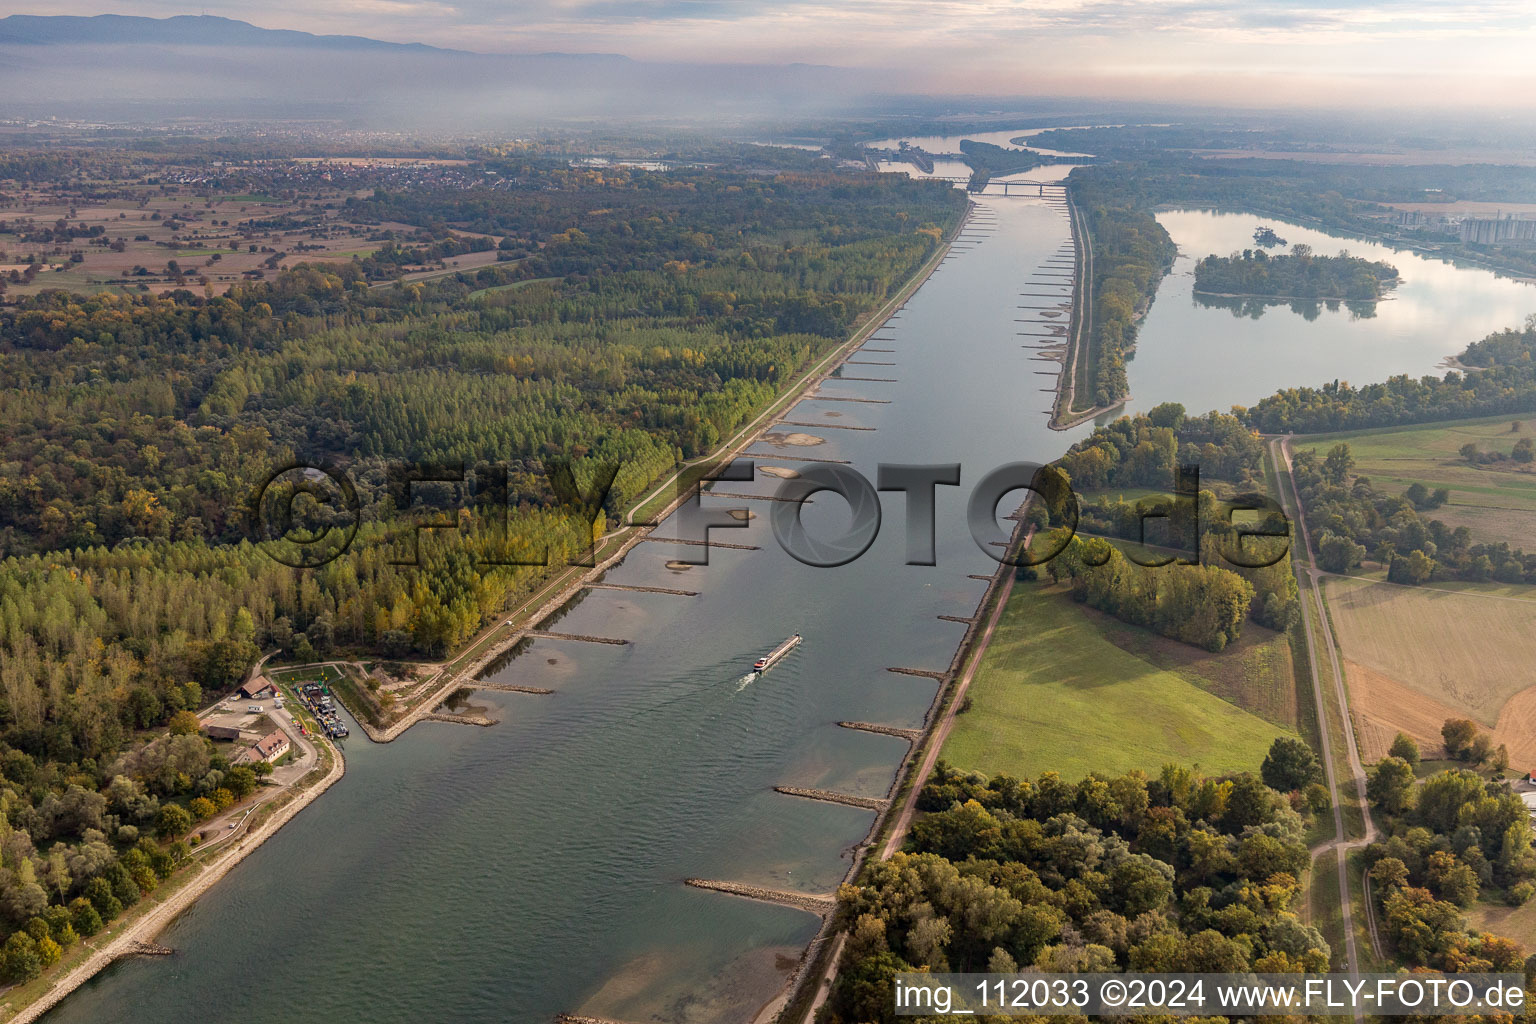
<point>1074,360</point>
<point>811,984</point>
<point>153,918</point>
<point>497,639</point>
<point>156,911</point>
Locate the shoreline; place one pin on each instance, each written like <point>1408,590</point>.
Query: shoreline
<point>810,984</point>
<point>818,965</point>
<point>749,435</point>
<point>161,915</point>
<point>1062,417</point>
<point>1286,298</point>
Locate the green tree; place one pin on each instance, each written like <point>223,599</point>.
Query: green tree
<point>1415,568</point>
<point>124,888</point>
<point>1390,786</point>
<point>225,661</point>
<point>1449,879</point>
<point>1458,734</point>
<point>1289,765</point>
<point>185,723</point>
<point>240,781</point>
<point>19,959</point>
<point>85,917</point>
<point>1338,554</point>
<point>866,991</point>
<point>1445,798</point>
<point>1388,874</point>
<point>1404,747</point>
<point>60,925</point>
<point>1338,463</point>
<point>173,821</point>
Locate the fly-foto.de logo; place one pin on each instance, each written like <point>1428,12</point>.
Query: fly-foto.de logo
<point>308,515</point>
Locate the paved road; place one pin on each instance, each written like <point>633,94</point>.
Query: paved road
<point>239,815</point>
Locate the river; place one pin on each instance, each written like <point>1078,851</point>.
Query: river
<point>510,873</point>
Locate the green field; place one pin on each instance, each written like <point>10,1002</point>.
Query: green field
<point>1057,692</point>
<point>1495,501</point>
<point>509,287</point>
<point>316,674</point>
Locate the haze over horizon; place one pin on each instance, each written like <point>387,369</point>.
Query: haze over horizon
<point>1300,52</point>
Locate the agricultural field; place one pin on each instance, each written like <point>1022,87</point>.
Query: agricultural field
<point>1495,500</point>
<point>152,238</point>
<point>1416,656</point>
<point>1065,688</point>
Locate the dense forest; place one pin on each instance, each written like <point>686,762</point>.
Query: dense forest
<point>642,319</point>
<point>1144,450</point>
<point>1448,842</point>
<point>1176,873</point>
<point>1297,275</point>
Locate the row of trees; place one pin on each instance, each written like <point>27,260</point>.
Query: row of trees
<point>1204,605</point>
<point>1505,383</point>
<point>1145,450</point>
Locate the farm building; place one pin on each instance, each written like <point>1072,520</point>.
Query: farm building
<point>257,688</point>
<point>221,732</point>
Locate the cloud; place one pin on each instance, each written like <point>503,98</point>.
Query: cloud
<point>995,46</point>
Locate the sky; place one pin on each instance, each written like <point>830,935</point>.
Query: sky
<point>1248,51</point>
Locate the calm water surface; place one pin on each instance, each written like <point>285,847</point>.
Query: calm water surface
<point>1196,351</point>
<point>507,874</point>
<point>511,873</point>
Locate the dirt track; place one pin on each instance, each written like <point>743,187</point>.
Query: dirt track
<point>1319,635</point>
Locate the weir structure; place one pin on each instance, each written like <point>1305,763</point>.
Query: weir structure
<point>815,903</point>
<point>828,796</point>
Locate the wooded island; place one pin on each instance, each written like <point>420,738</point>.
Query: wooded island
<point>1299,275</point>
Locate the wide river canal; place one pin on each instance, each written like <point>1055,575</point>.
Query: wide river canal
<point>511,873</point>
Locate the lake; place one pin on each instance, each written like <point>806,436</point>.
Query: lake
<point>1196,351</point>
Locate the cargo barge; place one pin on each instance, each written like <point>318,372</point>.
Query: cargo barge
<point>773,657</point>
